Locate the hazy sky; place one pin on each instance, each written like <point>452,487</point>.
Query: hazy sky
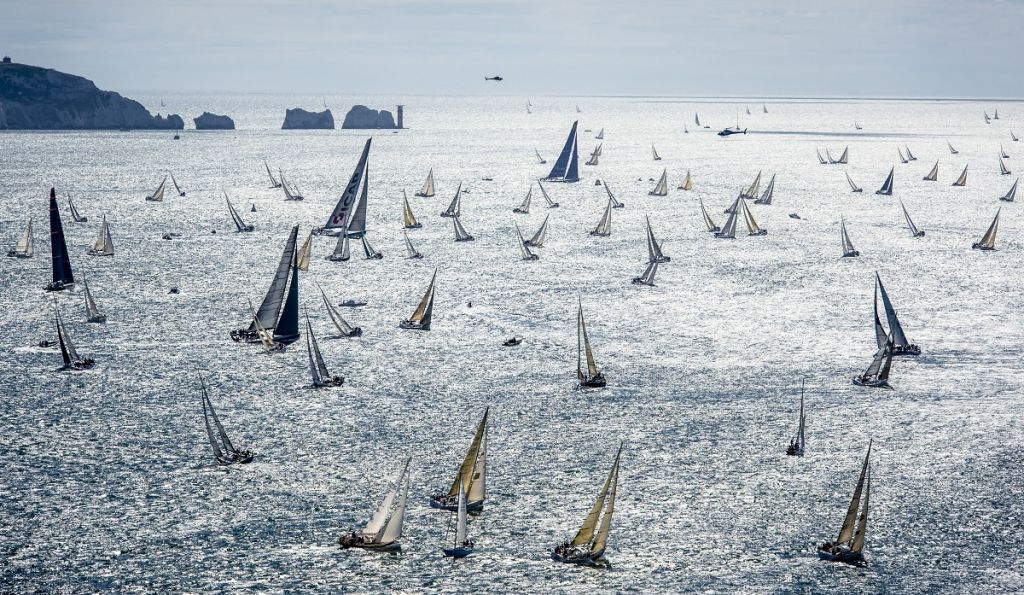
<point>966,48</point>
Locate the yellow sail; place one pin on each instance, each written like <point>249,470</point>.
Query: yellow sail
<point>858,537</point>
<point>422,307</point>
<point>688,182</point>
<point>606,521</point>
<point>302,259</point>
<point>465,473</point>
<point>408,219</point>
<point>586,533</point>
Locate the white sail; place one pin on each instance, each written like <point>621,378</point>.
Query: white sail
<point>25,244</point>
<point>1008,197</point>
<point>687,183</point>
<point>604,226</point>
<point>104,246</point>
<point>769,192</point>
<point>951,149</point>
<point>933,175</point>
<point>707,218</point>
<point>848,249</point>
<point>427,190</point>
<point>461,235</point>
<point>158,194</point>
<point>988,241</point>
<point>537,240</point>
<point>654,152</point>
<point>524,248</point>
<point>376,522</point>
<point>661,189</point>
<point>393,530</point>
<point>845,157</point>
<point>551,204</point>
<point>611,197</point>
<point>540,159</point>
<point>524,208</point>
<point>410,251</point>
<point>752,227</point>
<point>461,525</point>
<point>962,180</point>
<point>754,189</point>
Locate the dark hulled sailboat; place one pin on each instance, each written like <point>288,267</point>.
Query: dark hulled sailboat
<point>566,168</point>
<point>900,344</point>
<point>849,545</point>
<point>270,309</point>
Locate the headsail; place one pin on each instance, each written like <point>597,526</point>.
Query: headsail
<point>341,216</point>
<point>61,265</point>
<point>271,306</point>
<point>287,328</point>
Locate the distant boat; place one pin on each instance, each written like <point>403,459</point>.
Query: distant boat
<point>754,189</point>
<point>578,109</point>
<point>177,188</point>
<point>962,180</point>
<point>828,156</point>
<point>654,253</point>
<point>821,160</point>
<point>748,110</point>
<point>877,374</point>
<point>471,477</point>
<point>566,168</point>
<point>595,156</point>
<point>729,230</point>
<point>615,202</point>
<point>769,192</point>
<point>342,252</point>
<point>687,183</point>
<point>848,249</point>
<point>72,361</point>
<point>524,249</point>
<point>708,222</point>
<point>654,152</point>
<point>886,189</point>
<point>845,157</point>
<point>696,119</point>
<point>996,115</point>
<point>1002,153</point>
<point>551,204</point>
<point>540,160</point>
<point>951,149</point>
<point>753,229</point>
<point>987,119</point>
<point>240,225</point>
<point>604,226</point>
<point>524,208</point>
<point>368,250</point>
<point>1008,197</point>
<point>158,194</point>
<point>384,529</point>
<point>270,309</point>
<point>408,219</point>
<point>764,108</point>
<point>849,545</point>
<point>291,192</point>
<point>685,130</point>
<point>988,241</point>
<point>322,378</point>
<point>910,156</point>
<point>273,181</point>
<point>661,188</point>
<point>305,253</point>
<point>74,212</point>
<point>462,545</point>
<point>427,190</point>
<point>1013,137</point>
<point>223,450</point>
<point>528,110</point>
<point>902,158</point>
<point>24,247</point>
<point>346,329</point>
<point>933,175</point>
<point>421,317</point>
<point>461,235</point>
<point>92,312</point>
<point>104,246</point>
<point>853,187</point>
<point>62,278</point>
<point>797,443</point>
<point>896,337</point>
<point>455,207</point>
<point>410,251</point>
<point>857,125</point>
<point>600,135</point>
<point>647,278</point>
<point>589,377</point>
<point>587,548</point>
<point>914,231</point>
<point>252,208</point>
<point>1002,168</point>
<point>537,241</point>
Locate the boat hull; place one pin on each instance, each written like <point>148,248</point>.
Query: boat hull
<point>871,383</point>
<point>59,286</point>
<point>347,541</point>
<point>333,382</point>
<point>457,552</point>
<point>760,232</point>
<point>16,254</point>
<point>851,254</point>
<point>414,226</point>
<point>640,281</point>
<point>593,382</point>
<point>445,502</point>
<point>982,247</point>
<point>413,326</point>
<point>844,556</point>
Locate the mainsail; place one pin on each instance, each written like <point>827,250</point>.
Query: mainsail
<point>988,241</point>
<point>241,225</point>
<point>1008,197</point>
<point>273,182</point>
<point>661,189</point>
<point>604,226</point>
<point>769,191</point>
<point>687,183</point>
<point>915,232</point>
<point>566,168</point>
<point>848,249</point>
<point>455,207</point>
<point>61,265</point>
<point>341,216</point>
<point>886,188</point>
<point>524,208</point>
<point>24,247</point>
<point>933,175</point>
<point>427,190</point>
<point>537,240</point>
<point>962,180</point>
<point>104,246</point>
<point>287,328</point>
<point>271,307</point>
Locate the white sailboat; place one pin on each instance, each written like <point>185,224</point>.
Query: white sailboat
<point>471,477</point>
<point>461,235</point>
<point>104,246</point>
<point>1013,137</point>
<point>291,192</point>
<point>797,443</point>
<point>604,226</point>
<point>654,153</point>
<point>408,219</point>
<point>914,231</point>
<point>910,156</point>
<point>754,189</point>
<point>524,249</point>
<point>1008,197</point>
<point>600,135</point>
<point>455,207</point>
<point>988,241</point>
<point>25,246</point>
<point>708,222</point>
<point>962,180</point>
<point>224,451</point>
<point>848,250</point>
<point>821,160</point>
<point>845,157</point>
<point>92,312</point>
<point>587,548</point>
<point>423,315</point>
<point>410,251</point>
<point>427,190</point>
<point>933,175</point>
<point>769,192</point>
<point>753,229</point>
<point>537,241</point>
<point>384,529</point>
<point>463,545</point>
<point>877,374</point>
<point>590,377</point>
<point>661,188</point>
<point>849,545</point>
<point>951,149</point>
<point>68,352</point>
<point>75,215</point>
<point>158,194</point>
<point>647,278</point>
<point>1002,168</point>
<point>346,329</point>
<point>902,158</point>
<point>595,156</point>
<point>853,187</point>
<point>1002,152</point>
<point>322,378</point>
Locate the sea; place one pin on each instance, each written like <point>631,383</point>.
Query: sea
<point>108,483</point>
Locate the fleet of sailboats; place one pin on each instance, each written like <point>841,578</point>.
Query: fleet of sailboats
<point>588,546</point>
<point>471,477</point>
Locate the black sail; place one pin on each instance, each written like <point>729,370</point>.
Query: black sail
<point>62,274</point>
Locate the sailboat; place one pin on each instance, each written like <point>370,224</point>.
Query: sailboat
<point>462,545</point>
<point>604,226</point>
<point>104,246</point>
<point>1008,197</point>
<point>857,126</point>
<point>1002,168</point>
<point>752,227</point>
<point>902,158</point>
<point>455,207</point>
<point>524,249</point>
<point>368,250</point>
<point>995,116</point>
<point>588,546</point>
<point>769,191</point>
<point>988,241</point>
<point>654,253</point>
<point>384,528</point>
<point>687,183</point>
<point>270,308</point>
<point>729,230</point>
<point>933,175</point>
<point>764,108</point>
<point>349,214</point>
<point>828,156</point>
<point>410,252</point>
<point>654,152</point>
<point>1013,137</point>
<point>540,160</point>
<point>158,194</point>
<point>537,241</point>
<point>75,216</point>
<point>223,450</point>
<point>317,368</point>
<point>848,249</point>
<point>291,192</point>
<point>62,277</point>
<point>748,110</point>
<point>461,235</point>
<point>240,225</point>
<point>685,129</point>
<point>821,160</point>
<point>72,361</point>
<point>910,156</point>
<point>595,156</point>
<point>897,339</point>
<point>987,119</point>
<point>591,377</point>
<point>797,443</point>
<point>471,477</point>
<point>427,190</point>
<point>551,204</point>
<point>420,319</point>
<point>600,135</point>
<point>24,247</point>
<point>853,187</point>
<point>707,219</point>
<point>578,108</point>
<point>845,157</point>
<point>92,313</point>
<point>273,182</point>
<point>528,110</point>
<point>647,278</point>
<point>886,189</point>
<point>341,252</point>
<point>177,188</point>
<point>914,231</point>
<point>849,545</point>
<point>877,374</point>
<point>754,189</point>
<point>408,219</point>
<point>263,336</point>
<point>305,253</point>
<point>661,188</point>
<point>951,149</point>
<point>566,168</point>
<point>962,180</point>
<point>696,119</point>
<point>524,208</point>
<point>1002,152</point>
<point>615,202</point>
<point>340,323</point>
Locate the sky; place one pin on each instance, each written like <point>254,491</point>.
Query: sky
<point>820,48</point>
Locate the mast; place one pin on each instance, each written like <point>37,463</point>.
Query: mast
<point>61,264</point>
<point>341,216</point>
<point>566,166</point>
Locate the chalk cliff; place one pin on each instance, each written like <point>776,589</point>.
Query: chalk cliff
<point>299,118</point>
<point>361,116</point>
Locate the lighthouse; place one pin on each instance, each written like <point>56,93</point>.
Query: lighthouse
<point>399,123</point>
